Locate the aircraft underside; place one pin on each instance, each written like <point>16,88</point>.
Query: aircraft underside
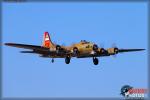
<point>68,58</point>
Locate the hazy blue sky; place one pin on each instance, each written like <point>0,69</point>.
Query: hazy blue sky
<point>28,75</point>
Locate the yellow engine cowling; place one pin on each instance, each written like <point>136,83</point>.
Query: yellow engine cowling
<point>112,50</point>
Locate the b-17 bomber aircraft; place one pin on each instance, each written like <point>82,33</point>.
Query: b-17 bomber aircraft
<point>83,49</point>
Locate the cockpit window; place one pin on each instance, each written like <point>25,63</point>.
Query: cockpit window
<point>84,41</point>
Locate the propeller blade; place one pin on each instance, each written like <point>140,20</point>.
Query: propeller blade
<point>63,44</point>
<point>114,45</point>
<point>101,45</point>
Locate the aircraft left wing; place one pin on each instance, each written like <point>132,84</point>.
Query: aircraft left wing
<point>109,52</point>
<point>129,50</point>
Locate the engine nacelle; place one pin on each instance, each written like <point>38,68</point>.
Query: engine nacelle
<point>75,51</point>
<point>112,50</point>
<point>58,48</point>
<point>101,50</point>
<point>95,47</point>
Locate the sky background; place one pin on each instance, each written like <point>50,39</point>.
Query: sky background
<point>104,23</point>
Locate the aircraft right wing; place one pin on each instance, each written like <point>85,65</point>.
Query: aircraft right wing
<point>44,51</point>
<point>25,46</point>
<point>35,48</point>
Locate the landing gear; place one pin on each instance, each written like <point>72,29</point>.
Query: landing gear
<point>52,60</point>
<point>95,61</point>
<point>67,60</point>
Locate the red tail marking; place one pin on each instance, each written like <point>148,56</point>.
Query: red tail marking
<point>47,42</point>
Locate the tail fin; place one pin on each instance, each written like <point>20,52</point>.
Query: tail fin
<point>47,41</point>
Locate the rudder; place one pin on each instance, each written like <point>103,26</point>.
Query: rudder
<point>47,41</point>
